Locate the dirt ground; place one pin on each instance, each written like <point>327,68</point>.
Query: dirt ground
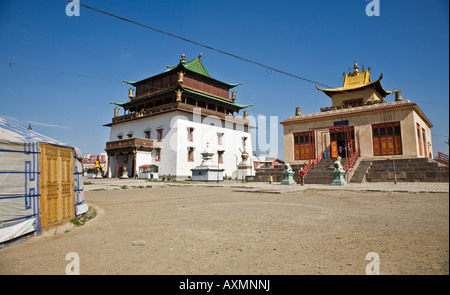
<point>217,230</point>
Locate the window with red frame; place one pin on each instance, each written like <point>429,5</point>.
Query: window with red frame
<point>159,135</point>
<point>190,155</point>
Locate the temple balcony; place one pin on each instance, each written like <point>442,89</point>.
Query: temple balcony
<point>129,145</point>
<point>349,106</point>
<point>180,106</point>
<point>145,112</point>
<point>349,110</point>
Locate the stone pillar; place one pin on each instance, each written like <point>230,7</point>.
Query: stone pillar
<point>135,172</point>
<point>108,167</point>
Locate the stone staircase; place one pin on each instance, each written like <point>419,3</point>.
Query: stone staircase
<point>442,161</point>
<point>359,176</point>
<point>407,170</point>
<point>321,174</point>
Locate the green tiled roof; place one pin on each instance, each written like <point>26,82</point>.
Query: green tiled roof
<point>123,104</point>
<point>194,65</point>
<point>216,98</point>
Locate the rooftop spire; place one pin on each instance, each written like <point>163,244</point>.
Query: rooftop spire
<point>355,67</point>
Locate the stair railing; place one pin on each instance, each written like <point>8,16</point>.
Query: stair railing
<point>312,163</point>
<point>351,160</point>
<point>443,157</point>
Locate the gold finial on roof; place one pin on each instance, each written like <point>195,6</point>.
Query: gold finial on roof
<point>355,67</point>
<point>357,78</point>
<point>233,95</point>
<point>183,58</point>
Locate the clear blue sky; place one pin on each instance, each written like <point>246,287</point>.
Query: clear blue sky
<point>318,40</point>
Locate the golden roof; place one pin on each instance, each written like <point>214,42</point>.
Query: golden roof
<point>356,81</point>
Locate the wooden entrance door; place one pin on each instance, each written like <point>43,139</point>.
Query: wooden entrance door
<point>304,146</point>
<point>387,139</point>
<point>334,149</point>
<point>56,185</point>
<point>342,141</point>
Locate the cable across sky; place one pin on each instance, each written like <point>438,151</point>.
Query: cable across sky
<point>201,45</point>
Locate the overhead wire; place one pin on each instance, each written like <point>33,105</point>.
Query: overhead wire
<point>142,86</point>
<point>11,64</point>
<point>268,68</point>
<point>201,45</point>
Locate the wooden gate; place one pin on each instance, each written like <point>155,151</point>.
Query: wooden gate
<point>386,138</point>
<point>56,185</point>
<point>304,145</point>
<point>343,137</point>
<point>334,149</point>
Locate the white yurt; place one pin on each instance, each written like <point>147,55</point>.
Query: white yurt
<point>41,182</point>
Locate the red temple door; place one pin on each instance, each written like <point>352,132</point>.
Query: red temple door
<point>334,149</point>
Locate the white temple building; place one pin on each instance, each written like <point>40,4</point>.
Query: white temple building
<point>167,123</point>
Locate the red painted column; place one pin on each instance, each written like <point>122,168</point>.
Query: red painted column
<point>117,166</point>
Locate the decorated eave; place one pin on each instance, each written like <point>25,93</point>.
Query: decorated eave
<point>194,66</point>
<point>136,101</point>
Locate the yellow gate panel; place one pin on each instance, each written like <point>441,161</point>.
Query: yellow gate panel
<point>56,185</point>
<point>334,149</point>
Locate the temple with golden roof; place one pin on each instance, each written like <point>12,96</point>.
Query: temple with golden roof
<point>359,123</point>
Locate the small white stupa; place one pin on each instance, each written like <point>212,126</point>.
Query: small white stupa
<point>245,167</point>
<point>207,171</point>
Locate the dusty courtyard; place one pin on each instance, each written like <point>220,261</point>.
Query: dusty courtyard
<point>219,230</point>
